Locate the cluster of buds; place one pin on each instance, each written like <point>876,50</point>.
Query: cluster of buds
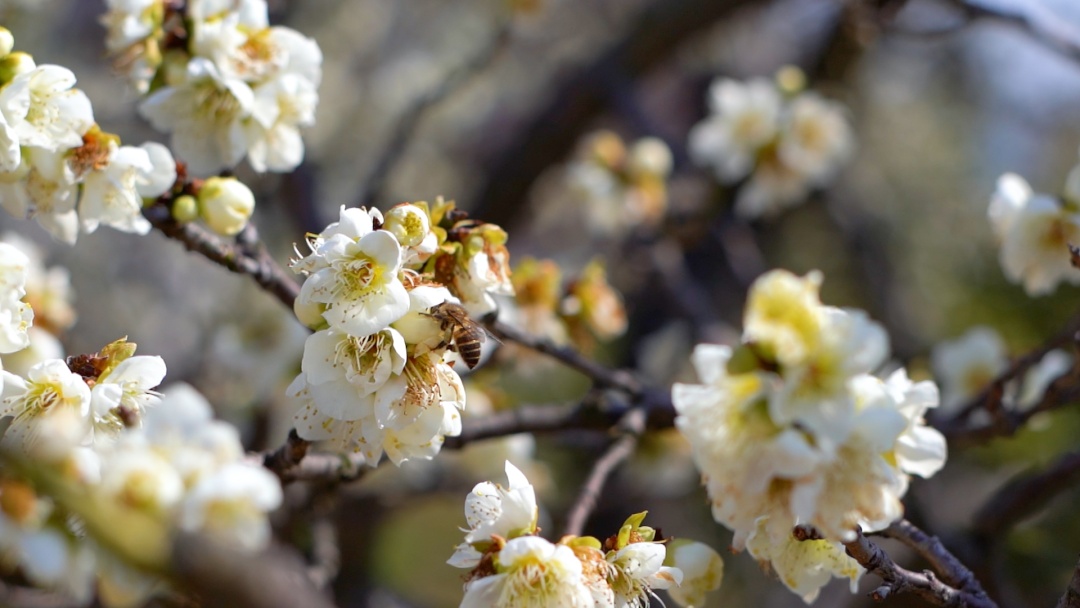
<point>511,565</point>
<point>392,299</point>
<point>224,204</point>
<point>219,79</point>
<point>585,310</point>
<point>790,428</point>
<point>1035,231</point>
<point>622,188</point>
<point>57,166</point>
<point>785,140</point>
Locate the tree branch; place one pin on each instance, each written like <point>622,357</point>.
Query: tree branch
<point>930,548</point>
<point>632,426</point>
<point>1071,597</point>
<point>900,580</point>
<point>1025,494</point>
<point>247,257</point>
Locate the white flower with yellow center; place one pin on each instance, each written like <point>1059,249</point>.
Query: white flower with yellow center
<point>816,138</point>
<point>531,572</point>
<point>232,504</point>
<point>359,283</point>
<point>416,425</point>
<point>746,117</point>
<point>139,478</point>
<point>44,188</point>
<point>1034,231</point>
<point>48,387</point>
<point>636,570</point>
<point>52,115</point>
<point>113,195</point>
<point>492,510</point>
<point>205,115</point>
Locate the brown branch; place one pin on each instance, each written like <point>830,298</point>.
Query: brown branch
<point>221,575</point>
<point>952,570</point>
<point>632,426</point>
<point>409,121</point>
<point>599,374</point>
<point>1071,597</point>
<point>900,580</point>
<point>242,258</point>
<point>1025,495</point>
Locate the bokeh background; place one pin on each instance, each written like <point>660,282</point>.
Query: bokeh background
<point>942,103</point>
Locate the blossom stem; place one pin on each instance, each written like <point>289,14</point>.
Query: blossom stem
<point>1024,495</point>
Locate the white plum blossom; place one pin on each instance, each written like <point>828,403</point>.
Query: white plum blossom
<point>204,114</point>
<point>491,509</point>
<point>636,570</point>
<point>48,387</point>
<point>531,572</point>
<point>231,503</point>
<point>1034,231</point>
<point>53,115</point>
<point>16,316</point>
<point>113,195</point>
<point>746,116</point>
<point>784,144</point>
<point>790,428</point>
<point>128,387</point>
<point>965,366</point>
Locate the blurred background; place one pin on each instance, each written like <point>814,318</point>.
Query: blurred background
<point>487,102</point>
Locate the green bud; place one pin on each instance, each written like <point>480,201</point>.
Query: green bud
<point>185,209</point>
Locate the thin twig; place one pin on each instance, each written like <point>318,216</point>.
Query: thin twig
<point>1026,494</point>
<point>600,374</point>
<point>241,259</point>
<point>900,580</point>
<point>402,134</point>
<point>951,569</point>
<point>1071,597</point>
<point>632,426</point>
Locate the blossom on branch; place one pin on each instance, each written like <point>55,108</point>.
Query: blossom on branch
<point>791,428</point>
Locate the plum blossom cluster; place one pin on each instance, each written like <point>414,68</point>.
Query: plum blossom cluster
<point>219,78</point>
<point>1034,231</point>
<point>968,365</point>
<point>621,188</point>
<point>790,428</point>
<point>783,141</point>
<point>57,166</point>
<point>390,298</point>
<point>16,315</point>
<point>510,565</point>
<point>105,447</point>
<point>585,310</point>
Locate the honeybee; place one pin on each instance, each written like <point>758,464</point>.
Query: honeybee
<point>466,336</point>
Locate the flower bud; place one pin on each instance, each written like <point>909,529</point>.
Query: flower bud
<point>310,314</point>
<point>14,64</point>
<point>185,209</point>
<point>702,568</point>
<point>408,223</point>
<point>225,204</point>
<point>7,41</point>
